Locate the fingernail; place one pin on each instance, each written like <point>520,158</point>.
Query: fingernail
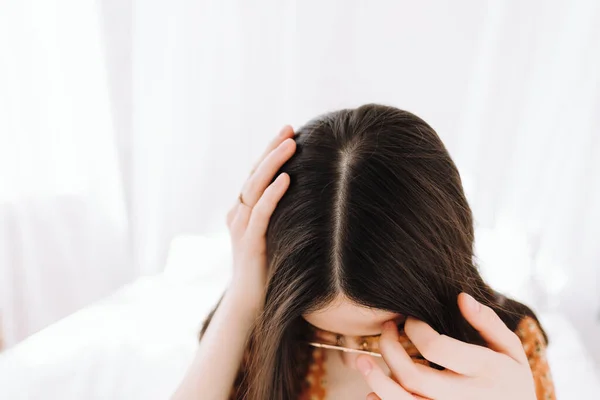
<point>279,179</point>
<point>287,143</point>
<point>364,365</point>
<point>283,132</point>
<point>473,304</point>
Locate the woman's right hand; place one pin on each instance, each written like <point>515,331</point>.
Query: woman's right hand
<point>248,221</point>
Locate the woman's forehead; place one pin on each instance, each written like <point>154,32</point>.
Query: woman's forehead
<point>347,318</point>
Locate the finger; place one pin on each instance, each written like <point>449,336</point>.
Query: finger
<point>384,386</point>
<point>285,132</point>
<point>416,378</point>
<point>395,356</point>
<point>232,213</point>
<point>460,357</point>
<point>495,332</point>
<point>262,211</point>
<point>241,218</point>
<point>263,176</point>
<point>373,396</point>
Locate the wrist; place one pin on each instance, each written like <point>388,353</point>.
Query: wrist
<point>244,300</point>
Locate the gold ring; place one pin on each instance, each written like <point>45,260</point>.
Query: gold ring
<point>241,199</point>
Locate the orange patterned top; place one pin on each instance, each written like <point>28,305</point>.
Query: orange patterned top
<point>528,331</point>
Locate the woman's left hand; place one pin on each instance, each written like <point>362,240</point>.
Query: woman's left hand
<point>499,372</point>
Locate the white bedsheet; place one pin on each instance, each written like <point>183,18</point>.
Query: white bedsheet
<point>134,345</point>
<point>137,343</point>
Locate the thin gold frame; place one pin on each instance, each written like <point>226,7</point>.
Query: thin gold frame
<point>344,349</point>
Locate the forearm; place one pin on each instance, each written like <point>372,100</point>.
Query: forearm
<point>212,372</point>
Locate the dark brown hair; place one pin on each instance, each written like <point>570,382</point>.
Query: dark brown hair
<point>375,211</point>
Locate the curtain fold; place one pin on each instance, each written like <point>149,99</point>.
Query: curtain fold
<point>64,234</point>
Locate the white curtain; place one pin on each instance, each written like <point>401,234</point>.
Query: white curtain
<point>64,238</point>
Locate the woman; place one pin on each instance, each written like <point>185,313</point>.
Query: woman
<point>354,277</point>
